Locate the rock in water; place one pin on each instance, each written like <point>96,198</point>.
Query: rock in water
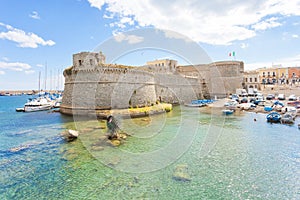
<point>115,142</point>
<point>181,173</point>
<point>73,133</point>
<point>70,135</point>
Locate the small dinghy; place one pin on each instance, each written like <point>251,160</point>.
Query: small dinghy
<point>274,117</point>
<point>227,112</point>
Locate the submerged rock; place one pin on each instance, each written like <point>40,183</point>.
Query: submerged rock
<point>97,148</point>
<point>115,142</point>
<point>181,173</point>
<point>20,148</point>
<point>86,130</point>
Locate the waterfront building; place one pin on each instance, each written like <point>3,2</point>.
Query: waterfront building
<point>164,65</point>
<point>294,74</point>
<point>252,80</point>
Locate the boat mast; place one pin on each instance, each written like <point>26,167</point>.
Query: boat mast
<point>45,76</point>
<point>39,82</point>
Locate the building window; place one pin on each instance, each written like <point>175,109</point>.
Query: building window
<point>162,64</point>
<point>80,62</point>
<point>250,80</point>
<point>268,73</point>
<point>255,79</point>
<point>246,80</point>
<point>263,74</point>
<point>91,61</point>
<point>274,74</point>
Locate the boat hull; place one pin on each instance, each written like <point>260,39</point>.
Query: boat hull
<point>37,108</point>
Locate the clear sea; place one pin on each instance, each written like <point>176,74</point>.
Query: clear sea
<point>214,156</point>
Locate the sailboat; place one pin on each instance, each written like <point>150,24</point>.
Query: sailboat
<point>40,103</point>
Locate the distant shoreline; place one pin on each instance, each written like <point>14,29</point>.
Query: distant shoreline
<point>16,92</point>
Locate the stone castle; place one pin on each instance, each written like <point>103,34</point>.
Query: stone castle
<point>91,84</point>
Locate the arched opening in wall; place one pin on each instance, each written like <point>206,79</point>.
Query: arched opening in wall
<point>250,86</point>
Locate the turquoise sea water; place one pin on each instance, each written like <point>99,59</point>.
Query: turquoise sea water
<point>225,157</point>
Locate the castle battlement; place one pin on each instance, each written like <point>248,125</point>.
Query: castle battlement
<point>91,84</point>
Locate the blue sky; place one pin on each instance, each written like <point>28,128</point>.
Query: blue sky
<point>36,33</point>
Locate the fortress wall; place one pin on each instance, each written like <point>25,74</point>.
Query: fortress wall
<point>107,88</point>
<point>91,85</point>
<point>222,78</point>
<point>173,88</point>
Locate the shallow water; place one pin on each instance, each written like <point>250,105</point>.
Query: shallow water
<point>227,157</point>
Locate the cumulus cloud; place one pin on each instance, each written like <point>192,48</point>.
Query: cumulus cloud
<point>295,36</point>
<point>244,45</point>
<point>34,15</point>
<point>131,39</point>
<point>40,65</point>
<point>15,66</point>
<point>212,22</point>
<point>22,38</point>
<point>2,72</point>
<point>29,71</point>
<point>5,58</point>
<point>267,24</point>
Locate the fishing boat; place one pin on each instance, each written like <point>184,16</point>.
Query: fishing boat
<point>227,112</point>
<point>194,105</point>
<point>288,118</point>
<point>199,103</point>
<point>274,117</point>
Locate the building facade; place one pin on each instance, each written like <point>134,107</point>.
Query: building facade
<point>252,80</point>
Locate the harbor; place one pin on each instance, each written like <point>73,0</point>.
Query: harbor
<point>230,157</point>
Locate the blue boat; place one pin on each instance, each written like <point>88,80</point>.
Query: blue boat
<point>268,108</point>
<point>274,117</point>
<point>227,112</point>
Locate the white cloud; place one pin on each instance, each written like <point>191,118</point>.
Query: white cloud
<point>34,15</point>
<point>2,72</point>
<point>267,24</point>
<point>29,71</point>
<point>15,66</point>
<point>244,45</point>
<point>212,22</point>
<point>131,39</point>
<point>5,58</point>
<point>295,36</point>
<point>40,65</point>
<point>23,39</point>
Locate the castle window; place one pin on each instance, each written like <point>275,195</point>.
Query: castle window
<point>91,61</point>
<point>80,62</point>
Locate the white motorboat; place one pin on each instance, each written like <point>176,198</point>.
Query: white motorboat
<point>39,104</point>
<point>33,108</point>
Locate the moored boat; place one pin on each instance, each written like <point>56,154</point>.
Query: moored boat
<point>34,108</point>
<point>288,118</point>
<point>274,117</point>
<point>227,112</point>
